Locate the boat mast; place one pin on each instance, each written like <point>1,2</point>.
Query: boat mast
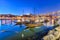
<point>34,14</point>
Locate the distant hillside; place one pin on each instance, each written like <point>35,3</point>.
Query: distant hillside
<point>57,13</point>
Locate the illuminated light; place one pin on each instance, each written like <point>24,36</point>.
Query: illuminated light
<point>22,35</point>
<point>36,27</point>
<point>18,20</point>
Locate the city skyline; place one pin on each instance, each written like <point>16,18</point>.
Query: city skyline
<point>19,7</point>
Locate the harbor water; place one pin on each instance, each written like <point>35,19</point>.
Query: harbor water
<point>10,29</point>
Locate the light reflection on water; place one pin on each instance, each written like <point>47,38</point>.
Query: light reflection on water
<point>11,29</point>
<point>7,22</point>
<point>0,22</point>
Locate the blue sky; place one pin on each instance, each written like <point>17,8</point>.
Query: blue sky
<point>19,7</point>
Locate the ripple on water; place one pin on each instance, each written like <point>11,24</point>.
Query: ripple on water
<point>9,30</point>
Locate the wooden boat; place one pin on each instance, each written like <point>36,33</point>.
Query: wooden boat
<point>33,25</point>
<point>29,25</point>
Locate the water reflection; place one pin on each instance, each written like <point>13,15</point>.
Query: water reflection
<point>0,22</point>
<point>8,28</point>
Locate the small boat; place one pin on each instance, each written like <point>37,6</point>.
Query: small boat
<point>29,25</point>
<point>33,25</point>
